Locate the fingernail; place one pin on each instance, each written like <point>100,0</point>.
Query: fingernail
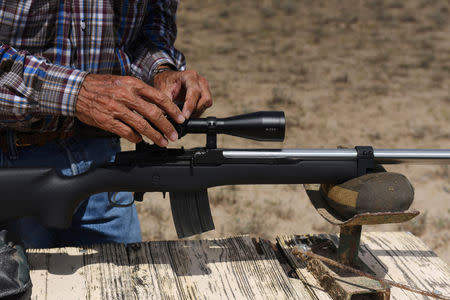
<point>164,143</point>
<point>181,119</point>
<point>174,136</point>
<point>187,114</point>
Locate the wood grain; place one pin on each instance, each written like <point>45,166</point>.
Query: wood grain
<point>228,268</point>
<point>404,258</point>
<point>222,268</point>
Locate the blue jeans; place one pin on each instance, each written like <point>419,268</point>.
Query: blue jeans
<point>95,220</point>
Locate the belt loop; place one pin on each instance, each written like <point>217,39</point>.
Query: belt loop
<point>11,143</point>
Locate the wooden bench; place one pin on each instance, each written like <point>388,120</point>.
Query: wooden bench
<point>228,268</point>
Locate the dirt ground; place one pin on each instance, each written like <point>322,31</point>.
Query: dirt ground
<point>345,73</point>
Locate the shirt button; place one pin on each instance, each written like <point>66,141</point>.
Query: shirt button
<point>83,25</point>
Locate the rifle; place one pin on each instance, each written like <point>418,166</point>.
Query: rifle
<point>186,174</point>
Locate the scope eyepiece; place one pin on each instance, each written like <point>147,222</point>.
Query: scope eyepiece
<point>260,126</point>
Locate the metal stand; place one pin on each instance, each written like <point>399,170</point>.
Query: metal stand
<point>340,284</point>
<point>349,240</point>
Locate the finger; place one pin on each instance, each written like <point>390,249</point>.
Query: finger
<point>156,116</point>
<point>199,110</point>
<point>143,127</point>
<point>123,131</point>
<point>162,101</point>
<point>193,93</point>
<point>206,98</point>
<point>125,112</point>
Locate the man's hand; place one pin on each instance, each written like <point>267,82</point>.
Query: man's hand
<point>185,86</point>
<point>121,104</point>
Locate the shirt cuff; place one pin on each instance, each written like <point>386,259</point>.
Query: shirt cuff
<point>144,67</point>
<point>59,90</point>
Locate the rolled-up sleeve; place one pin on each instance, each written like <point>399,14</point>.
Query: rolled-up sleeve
<point>155,43</point>
<point>30,84</point>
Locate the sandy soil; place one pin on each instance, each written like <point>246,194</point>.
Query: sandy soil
<point>346,73</point>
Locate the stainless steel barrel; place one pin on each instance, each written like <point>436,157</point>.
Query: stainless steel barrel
<point>381,156</point>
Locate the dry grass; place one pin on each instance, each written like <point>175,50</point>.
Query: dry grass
<point>345,73</point>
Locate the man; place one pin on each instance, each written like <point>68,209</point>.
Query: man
<point>66,61</point>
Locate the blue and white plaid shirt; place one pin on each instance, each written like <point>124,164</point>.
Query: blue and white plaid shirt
<point>49,46</point>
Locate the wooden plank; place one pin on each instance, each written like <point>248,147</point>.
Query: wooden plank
<point>297,284</point>
<point>107,272</point>
<point>194,269</point>
<point>203,269</point>
<point>38,262</point>
<point>397,256</point>
<point>152,272</point>
<point>94,272</point>
<point>404,258</point>
<point>58,267</point>
<point>231,268</point>
<point>314,289</point>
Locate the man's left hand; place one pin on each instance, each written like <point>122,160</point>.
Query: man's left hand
<point>185,86</point>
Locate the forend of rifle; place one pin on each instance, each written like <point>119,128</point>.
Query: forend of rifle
<point>260,126</point>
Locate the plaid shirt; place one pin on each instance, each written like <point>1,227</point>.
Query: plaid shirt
<point>49,46</point>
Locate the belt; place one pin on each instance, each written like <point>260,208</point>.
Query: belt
<point>26,139</point>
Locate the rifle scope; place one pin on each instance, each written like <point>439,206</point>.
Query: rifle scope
<point>260,126</point>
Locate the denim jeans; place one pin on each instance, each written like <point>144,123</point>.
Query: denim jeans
<point>95,220</point>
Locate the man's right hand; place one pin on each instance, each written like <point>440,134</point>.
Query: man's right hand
<point>121,105</point>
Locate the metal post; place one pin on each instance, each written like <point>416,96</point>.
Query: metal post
<point>349,240</point>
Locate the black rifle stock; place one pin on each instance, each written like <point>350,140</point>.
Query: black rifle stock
<point>187,173</point>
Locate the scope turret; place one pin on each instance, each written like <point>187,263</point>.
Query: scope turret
<point>260,126</point>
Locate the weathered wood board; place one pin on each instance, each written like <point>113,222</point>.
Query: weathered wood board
<point>396,256</point>
<point>230,268</point>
